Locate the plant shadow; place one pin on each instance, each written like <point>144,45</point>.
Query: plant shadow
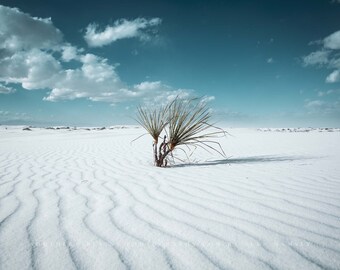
<point>246,160</point>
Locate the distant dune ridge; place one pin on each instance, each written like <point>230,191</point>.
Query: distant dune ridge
<point>90,198</point>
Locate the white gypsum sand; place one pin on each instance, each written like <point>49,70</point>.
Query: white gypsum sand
<point>91,199</point>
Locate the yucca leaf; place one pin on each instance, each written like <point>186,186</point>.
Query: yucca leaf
<point>153,121</point>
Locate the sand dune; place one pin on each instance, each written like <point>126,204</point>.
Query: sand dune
<point>91,199</point>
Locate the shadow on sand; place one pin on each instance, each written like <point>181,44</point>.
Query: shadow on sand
<point>246,160</point>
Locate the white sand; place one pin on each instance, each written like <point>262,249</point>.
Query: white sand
<point>92,200</point>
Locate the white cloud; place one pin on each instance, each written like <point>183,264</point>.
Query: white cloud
<point>270,60</point>
<point>321,107</point>
<point>26,46</point>
<point>333,77</point>
<point>328,92</point>
<point>332,41</point>
<point>21,31</point>
<point>69,52</point>
<point>332,91</point>
<point>97,69</point>
<point>34,69</point>
<point>6,89</point>
<point>335,61</point>
<point>207,99</point>
<point>95,79</point>
<point>316,58</point>
<point>33,54</point>
<point>327,56</point>
<point>147,86</point>
<point>315,104</point>
<point>119,30</point>
<point>158,93</point>
<point>13,117</point>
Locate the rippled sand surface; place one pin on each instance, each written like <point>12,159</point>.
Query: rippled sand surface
<point>91,199</point>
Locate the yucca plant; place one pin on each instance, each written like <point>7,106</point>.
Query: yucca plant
<point>182,122</point>
<point>154,121</point>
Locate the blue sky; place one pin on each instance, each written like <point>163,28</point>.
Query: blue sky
<point>258,63</point>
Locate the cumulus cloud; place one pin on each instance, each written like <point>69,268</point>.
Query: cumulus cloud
<point>6,89</point>
<point>34,69</point>
<point>33,53</point>
<point>98,81</point>
<point>327,56</point>
<point>332,41</point>
<point>147,86</point>
<point>26,46</point>
<point>95,79</point>
<point>121,29</point>
<point>158,93</point>
<point>333,77</point>
<point>21,31</point>
<point>69,52</point>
